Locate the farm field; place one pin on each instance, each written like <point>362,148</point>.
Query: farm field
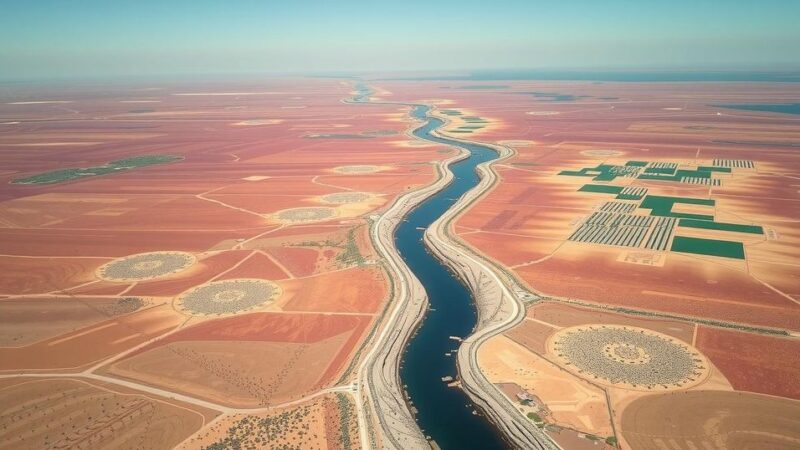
<point>659,231</point>
<point>204,242</point>
<point>73,413</point>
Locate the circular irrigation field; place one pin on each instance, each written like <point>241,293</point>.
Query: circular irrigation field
<point>340,198</point>
<point>628,356</point>
<point>145,266</point>
<point>227,296</point>
<point>306,214</point>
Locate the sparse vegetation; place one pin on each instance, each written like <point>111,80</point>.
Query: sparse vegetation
<point>252,432</point>
<point>345,415</point>
<point>123,305</point>
<point>61,175</point>
<point>535,417</point>
<point>351,254</point>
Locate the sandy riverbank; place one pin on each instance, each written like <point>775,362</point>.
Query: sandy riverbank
<point>500,306</point>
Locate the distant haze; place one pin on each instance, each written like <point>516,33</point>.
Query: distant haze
<point>55,39</point>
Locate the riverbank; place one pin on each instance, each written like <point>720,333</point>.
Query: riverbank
<point>381,394</point>
<point>496,311</point>
<point>499,309</point>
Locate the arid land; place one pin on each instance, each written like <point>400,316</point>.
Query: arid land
<point>206,265</point>
<point>221,250</point>
<point>647,221</point>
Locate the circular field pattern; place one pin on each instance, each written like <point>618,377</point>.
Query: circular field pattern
<point>357,170</point>
<point>227,297</point>
<point>308,214</point>
<point>340,198</point>
<point>602,152</point>
<point>145,266</point>
<point>628,356</point>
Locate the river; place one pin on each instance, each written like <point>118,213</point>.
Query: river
<point>444,413</point>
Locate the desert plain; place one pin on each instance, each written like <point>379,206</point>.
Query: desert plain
<point>193,265</point>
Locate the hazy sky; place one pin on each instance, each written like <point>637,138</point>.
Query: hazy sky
<point>52,38</point>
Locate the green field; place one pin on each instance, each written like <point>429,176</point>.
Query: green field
<point>662,206</point>
<point>721,226</point>
<point>628,197</point>
<point>600,188</point>
<point>715,169</point>
<point>62,175</point>
<point>660,170</point>
<point>711,247</point>
<point>677,176</point>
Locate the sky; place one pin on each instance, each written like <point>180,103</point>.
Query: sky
<point>91,38</point>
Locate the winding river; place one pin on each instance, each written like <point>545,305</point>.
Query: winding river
<point>444,413</point>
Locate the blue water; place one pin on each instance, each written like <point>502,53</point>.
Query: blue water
<point>444,413</point>
<point>783,108</point>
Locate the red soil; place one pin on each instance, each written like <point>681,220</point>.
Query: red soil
<point>564,316</point>
<point>282,327</point>
<point>257,265</point>
<point>680,287</point>
<point>41,275</point>
<point>117,243</point>
<point>752,362</point>
<point>200,273</point>
<point>273,327</point>
<point>93,343</point>
<point>300,261</point>
<point>352,290</point>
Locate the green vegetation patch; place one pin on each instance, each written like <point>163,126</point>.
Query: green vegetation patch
<point>629,197</point>
<point>662,206</point>
<point>660,170</point>
<point>636,163</point>
<point>603,172</point>
<point>471,127</point>
<point>601,188</point>
<point>535,417</point>
<point>380,133</point>
<point>677,176</point>
<point>721,226</point>
<point>451,112</point>
<point>351,254</point>
<point>345,416</point>
<point>711,247</point>
<point>263,432</point>
<point>62,175</point>
<point>714,169</point>
<point>460,131</point>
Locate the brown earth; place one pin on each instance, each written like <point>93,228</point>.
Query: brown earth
<point>25,321</point>
<point>61,413</point>
<point>752,362</point>
<point>711,420</point>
